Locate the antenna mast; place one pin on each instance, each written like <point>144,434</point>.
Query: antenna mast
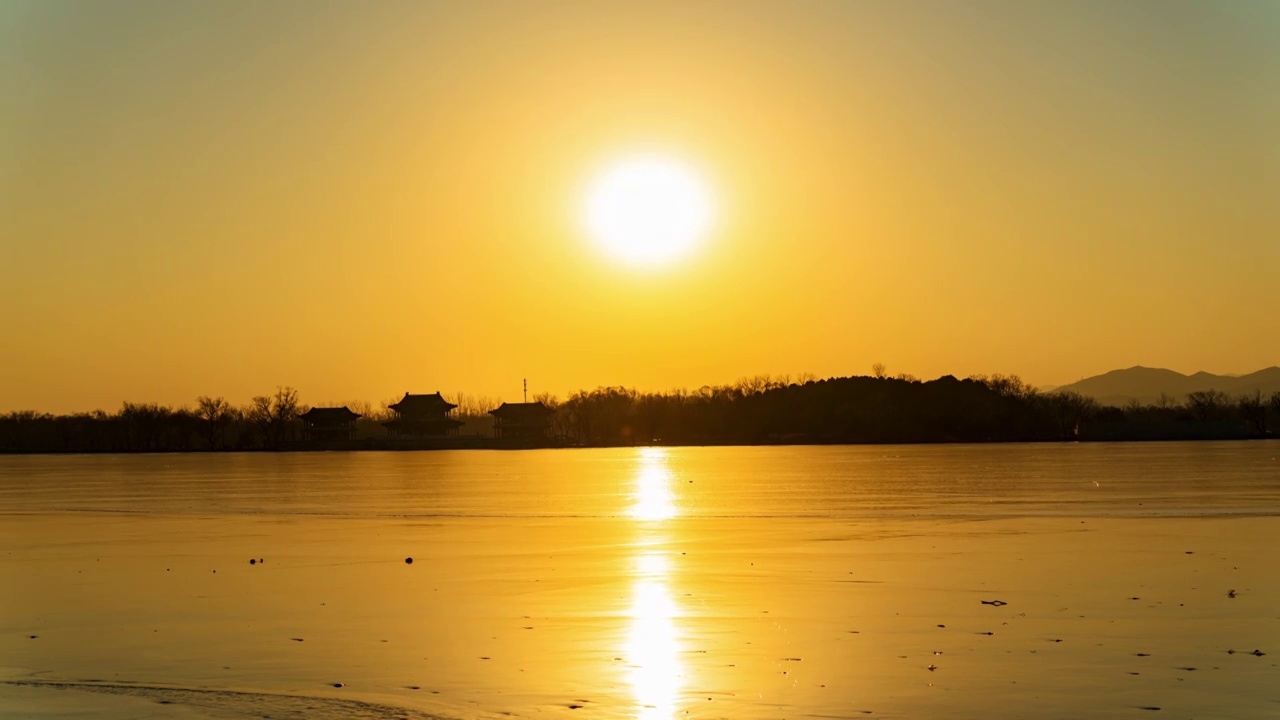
<point>526,390</point>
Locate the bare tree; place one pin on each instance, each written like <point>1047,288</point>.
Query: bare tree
<point>363,408</point>
<point>384,408</point>
<point>1008,386</point>
<point>1254,410</point>
<point>216,414</point>
<point>273,414</point>
<point>1208,404</point>
<point>1070,409</point>
<point>146,423</point>
<point>259,413</point>
<point>879,371</point>
<point>473,406</point>
<point>753,385</point>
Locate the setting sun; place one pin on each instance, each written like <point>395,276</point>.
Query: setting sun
<point>652,360</point>
<point>648,211</point>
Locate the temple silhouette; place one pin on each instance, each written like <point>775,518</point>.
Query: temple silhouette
<point>422,416</point>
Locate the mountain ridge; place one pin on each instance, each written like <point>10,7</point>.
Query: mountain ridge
<point>1146,385</point>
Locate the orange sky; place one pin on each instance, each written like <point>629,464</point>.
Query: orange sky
<point>362,200</point>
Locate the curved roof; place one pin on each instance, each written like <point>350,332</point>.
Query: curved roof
<point>521,409</point>
<point>335,414</point>
<point>413,404</point>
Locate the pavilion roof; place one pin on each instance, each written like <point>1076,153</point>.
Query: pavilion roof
<point>329,414</point>
<point>413,404</point>
<point>521,410</point>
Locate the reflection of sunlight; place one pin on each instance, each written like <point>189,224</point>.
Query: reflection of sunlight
<point>653,564</point>
<point>652,649</point>
<point>653,499</point>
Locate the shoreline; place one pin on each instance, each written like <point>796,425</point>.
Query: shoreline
<point>483,443</point>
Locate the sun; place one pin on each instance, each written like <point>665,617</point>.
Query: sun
<point>648,211</point>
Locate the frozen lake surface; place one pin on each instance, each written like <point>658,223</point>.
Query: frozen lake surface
<point>778,582</point>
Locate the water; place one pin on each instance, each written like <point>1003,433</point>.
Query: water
<point>645,583</point>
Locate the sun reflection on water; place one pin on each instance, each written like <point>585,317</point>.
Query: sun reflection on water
<point>653,644</point>
<point>653,497</point>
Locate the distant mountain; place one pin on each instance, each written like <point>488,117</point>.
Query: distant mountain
<point>1144,384</point>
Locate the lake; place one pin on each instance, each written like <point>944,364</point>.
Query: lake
<point>993,581</point>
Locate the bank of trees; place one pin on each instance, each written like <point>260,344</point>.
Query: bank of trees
<point>267,422</point>
<point>1204,415</point>
<point>874,409</point>
<point>761,409</point>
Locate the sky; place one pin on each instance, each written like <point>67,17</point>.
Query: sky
<point>364,199</point>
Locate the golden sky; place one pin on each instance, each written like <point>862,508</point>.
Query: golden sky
<point>363,199</point>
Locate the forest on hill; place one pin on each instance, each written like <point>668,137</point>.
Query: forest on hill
<point>759,410</point>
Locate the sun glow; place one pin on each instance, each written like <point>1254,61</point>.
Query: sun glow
<point>648,211</point>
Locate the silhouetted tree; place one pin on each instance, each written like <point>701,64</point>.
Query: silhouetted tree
<point>273,414</point>
<point>757,409</point>
<point>1208,405</point>
<point>472,406</point>
<point>215,414</point>
<point>145,423</point>
<point>1070,409</point>
<point>1254,410</point>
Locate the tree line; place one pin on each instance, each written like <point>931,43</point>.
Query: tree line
<point>756,410</point>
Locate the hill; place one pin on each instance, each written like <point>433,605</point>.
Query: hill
<point>1145,385</point>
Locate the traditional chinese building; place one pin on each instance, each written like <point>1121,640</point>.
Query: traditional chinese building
<point>422,416</point>
<point>329,423</point>
<point>522,420</point>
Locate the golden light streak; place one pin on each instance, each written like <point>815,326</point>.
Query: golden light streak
<point>654,500</point>
<point>653,650</point>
